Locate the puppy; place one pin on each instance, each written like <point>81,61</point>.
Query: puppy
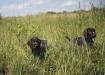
<point>37,46</point>
<point>89,35</point>
<point>86,39</point>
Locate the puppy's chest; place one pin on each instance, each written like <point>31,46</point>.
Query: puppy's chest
<point>89,40</point>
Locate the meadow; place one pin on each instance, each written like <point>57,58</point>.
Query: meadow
<point>62,57</point>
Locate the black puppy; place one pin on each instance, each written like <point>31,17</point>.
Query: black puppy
<point>37,46</point>
<point>86,39</point>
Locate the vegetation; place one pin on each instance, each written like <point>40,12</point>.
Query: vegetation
<point>0,17</point>
<point>62,57</point>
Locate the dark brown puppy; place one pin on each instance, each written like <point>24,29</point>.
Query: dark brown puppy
<point>89,34</point>
<point>37,46</point>
<point>87,38</point>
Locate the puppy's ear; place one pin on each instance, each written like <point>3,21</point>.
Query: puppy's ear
<point>43,43</point>
<point>28,43</point>
<point>85,33</point>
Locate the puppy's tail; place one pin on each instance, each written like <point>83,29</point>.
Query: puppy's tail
<point>68,38</point>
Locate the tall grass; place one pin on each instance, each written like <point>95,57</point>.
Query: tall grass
<point>62,57</point>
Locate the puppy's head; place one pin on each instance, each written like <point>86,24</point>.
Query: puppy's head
<point>89,33</point>
<point>34,42</point>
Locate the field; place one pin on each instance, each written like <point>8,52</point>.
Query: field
<point>62,58</point>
